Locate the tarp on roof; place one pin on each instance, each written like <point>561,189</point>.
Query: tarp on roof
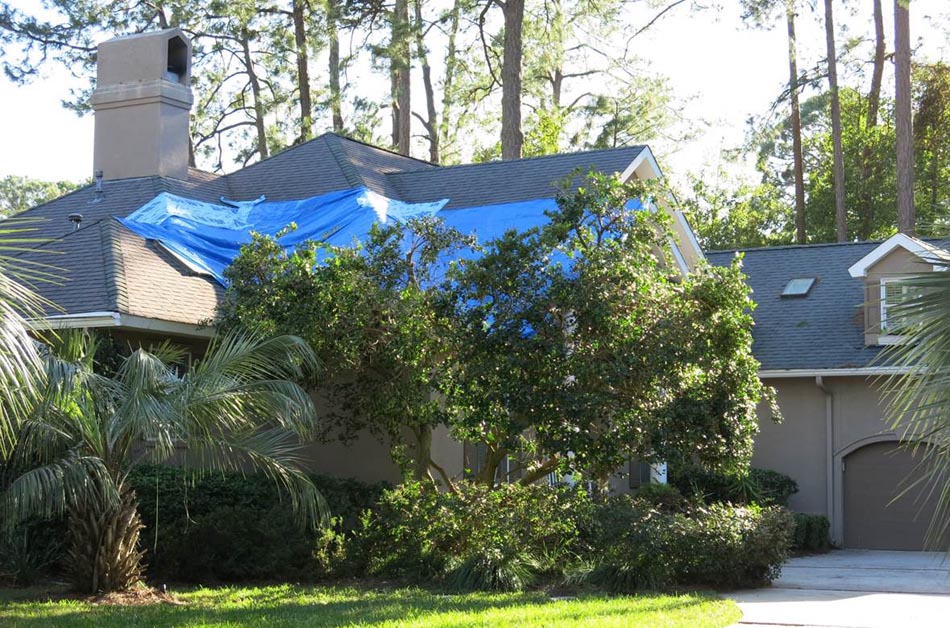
<point>207,236</point>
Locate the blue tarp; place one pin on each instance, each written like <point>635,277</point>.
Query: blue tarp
<point>208,236</point>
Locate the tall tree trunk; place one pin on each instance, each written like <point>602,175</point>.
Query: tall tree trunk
<point>906,218</point>
<point>103,554</point>
<point>512,136</point>
<point>874,102</point>
<point>841,216</point>
<point>423,453</point>
<point>431,122</point>
<point>400,65</point>
<point>255,82</point>
<point>303,71</point>
<point>448,80</point>
<point>336,96</point>
<point>800,235</point>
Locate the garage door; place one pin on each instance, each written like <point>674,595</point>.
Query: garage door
<point>873,476</point>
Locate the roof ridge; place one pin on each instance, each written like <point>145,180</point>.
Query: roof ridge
<point>500,162</point>
<point>346,167</point>
<point>814,245</point>
<point>381,149</point>
<point>117,290</point>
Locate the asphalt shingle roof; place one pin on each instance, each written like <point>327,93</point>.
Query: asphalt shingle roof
<point>823,330</point>
<point>103,267</point>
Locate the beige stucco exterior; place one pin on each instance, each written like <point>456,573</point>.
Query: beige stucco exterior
<point>898,263</point>
<point>142,102</point>
<point>825,419</point>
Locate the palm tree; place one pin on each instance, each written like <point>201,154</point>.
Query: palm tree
<point>919,398</point>
<point>21,369</point>
<point>237,408</point>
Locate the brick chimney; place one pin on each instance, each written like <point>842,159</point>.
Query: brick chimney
<point>142,100</point>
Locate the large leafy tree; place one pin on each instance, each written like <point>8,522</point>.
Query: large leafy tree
<point>579,346</point>
<point>18,193</point>
<point>237,408</point>
<point>369,312</point>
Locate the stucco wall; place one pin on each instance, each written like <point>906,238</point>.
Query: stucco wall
<point>800,445</point>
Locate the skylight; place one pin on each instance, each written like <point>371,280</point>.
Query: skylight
<point>798,287</point>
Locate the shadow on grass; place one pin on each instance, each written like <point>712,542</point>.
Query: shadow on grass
<point>290,606</point>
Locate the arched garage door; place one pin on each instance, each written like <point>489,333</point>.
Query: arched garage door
<point>873,476</point>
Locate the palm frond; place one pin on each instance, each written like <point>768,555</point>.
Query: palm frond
<point>918,399</point>
<point>47,491</point>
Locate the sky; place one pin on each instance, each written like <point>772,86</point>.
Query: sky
<point>724,71</point>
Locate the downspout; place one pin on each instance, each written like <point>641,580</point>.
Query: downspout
<point>829,456</point>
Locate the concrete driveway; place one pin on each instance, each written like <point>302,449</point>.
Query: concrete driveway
<point>854,589</point>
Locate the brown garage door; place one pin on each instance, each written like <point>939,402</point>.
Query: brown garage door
<point>873,476</point>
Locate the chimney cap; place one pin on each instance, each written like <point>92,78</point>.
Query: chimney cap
<point>76,219</point>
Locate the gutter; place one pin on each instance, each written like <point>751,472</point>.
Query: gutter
<point>867,371</point>
<point>829,456</point>
<point>90,320</point>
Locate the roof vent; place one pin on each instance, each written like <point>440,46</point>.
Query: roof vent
<point>76,219</point>
<point>798,287</point>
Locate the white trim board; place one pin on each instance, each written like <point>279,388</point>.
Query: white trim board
<point>91,320</point>
<point>868,371</point>
<point>923,250</point>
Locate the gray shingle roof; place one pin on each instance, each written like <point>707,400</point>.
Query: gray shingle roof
<point>497,182</point>
<point>824,330</point>
<point>103,267</point>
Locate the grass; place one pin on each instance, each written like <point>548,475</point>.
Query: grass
<point>288,605</point>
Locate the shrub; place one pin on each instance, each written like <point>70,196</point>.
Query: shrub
<point>233,527</point>
<point>635,547</point>
<point>477,538</point>
<point>759,486</point>
<point>664,496</point>
<point>31,551</point>
<point>718,545</point>
<point>776,488</point>
<point>727,547</point>
<point>811,533</point>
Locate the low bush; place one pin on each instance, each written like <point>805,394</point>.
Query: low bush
<point>234,527</point>
<point>729,547</point>
<point>664,496</point>
<point>475,538</point>
<point>811,533</point>
<point>758,486</point>
<point>719,545</point>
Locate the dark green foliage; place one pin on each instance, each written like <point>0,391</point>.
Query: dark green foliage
<point>729,547</point>
<point>233,527</point>
<point>719,546</point>
<point>664,496</point>
<point>811,533</point>
<point>478,538</point>
<point>758,486</point>
<point>775,488</point>
<point>31,551</point>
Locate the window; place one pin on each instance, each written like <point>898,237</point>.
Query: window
<point>799,287</point>
<point>893,292</point>
<point>639,473</point>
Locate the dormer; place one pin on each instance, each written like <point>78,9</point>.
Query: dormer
<point>882,270</point>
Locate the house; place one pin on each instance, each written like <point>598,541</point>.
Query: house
<point>138,289</point>
<point>820,325</point>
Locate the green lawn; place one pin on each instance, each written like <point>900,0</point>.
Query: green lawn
<point>335,606</point>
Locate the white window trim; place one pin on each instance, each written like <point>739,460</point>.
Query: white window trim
<point>886,338</point>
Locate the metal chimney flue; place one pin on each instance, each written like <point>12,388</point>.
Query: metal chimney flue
<point>76,219</point>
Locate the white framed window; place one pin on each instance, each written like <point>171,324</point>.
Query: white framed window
<point>893,291</point>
